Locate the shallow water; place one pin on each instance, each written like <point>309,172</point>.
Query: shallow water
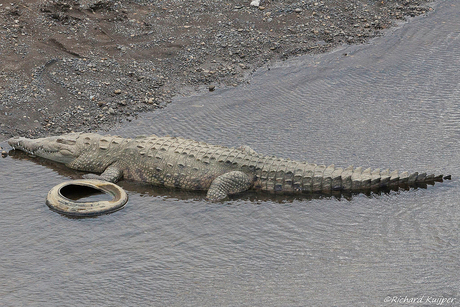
<point>392,103</point>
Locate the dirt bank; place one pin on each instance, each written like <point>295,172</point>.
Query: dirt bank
<point>79,65</point>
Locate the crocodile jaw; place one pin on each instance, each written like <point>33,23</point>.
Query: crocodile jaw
<point>59,149</point>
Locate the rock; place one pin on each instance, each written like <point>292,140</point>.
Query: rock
<point>117,91</point>
<point>255,3</point>
<point>4,154</point>
<point>212,88</point>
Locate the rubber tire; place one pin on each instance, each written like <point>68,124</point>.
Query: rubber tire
<point>61,204</point>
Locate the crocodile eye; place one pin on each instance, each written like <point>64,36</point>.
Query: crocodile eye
<point>66,141</point>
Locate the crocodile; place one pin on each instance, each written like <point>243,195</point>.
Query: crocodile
<point>221,171</point>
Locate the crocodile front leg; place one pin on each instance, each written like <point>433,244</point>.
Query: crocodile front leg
<point>228,184</point>
<point>113,173</point>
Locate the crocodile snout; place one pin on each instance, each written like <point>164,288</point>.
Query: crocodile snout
<point>33,145</point>
<point>20,143</point>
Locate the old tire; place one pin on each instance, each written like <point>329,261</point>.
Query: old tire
<point>61,204</point>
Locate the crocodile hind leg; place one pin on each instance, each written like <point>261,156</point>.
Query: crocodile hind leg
<point>228,184</point>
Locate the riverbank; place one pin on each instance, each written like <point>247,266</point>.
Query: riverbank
<point>84,65</point>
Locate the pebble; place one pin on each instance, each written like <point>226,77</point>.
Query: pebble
<point>231,47</point>
<point>4,154</point>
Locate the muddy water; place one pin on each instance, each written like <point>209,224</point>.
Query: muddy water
<point>392,103</point>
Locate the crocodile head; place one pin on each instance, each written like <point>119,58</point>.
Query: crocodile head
<point>63,149</point>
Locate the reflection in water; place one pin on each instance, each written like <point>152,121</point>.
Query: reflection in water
<point>392,103</point>
<point>57,167</point>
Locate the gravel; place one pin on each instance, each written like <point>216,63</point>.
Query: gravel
<point>82,65</point>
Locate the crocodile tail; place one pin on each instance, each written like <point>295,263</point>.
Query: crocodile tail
<point>322,179</point>
<point>355,180</point>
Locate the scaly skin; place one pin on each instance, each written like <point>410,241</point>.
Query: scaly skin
<point>192,165</point>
